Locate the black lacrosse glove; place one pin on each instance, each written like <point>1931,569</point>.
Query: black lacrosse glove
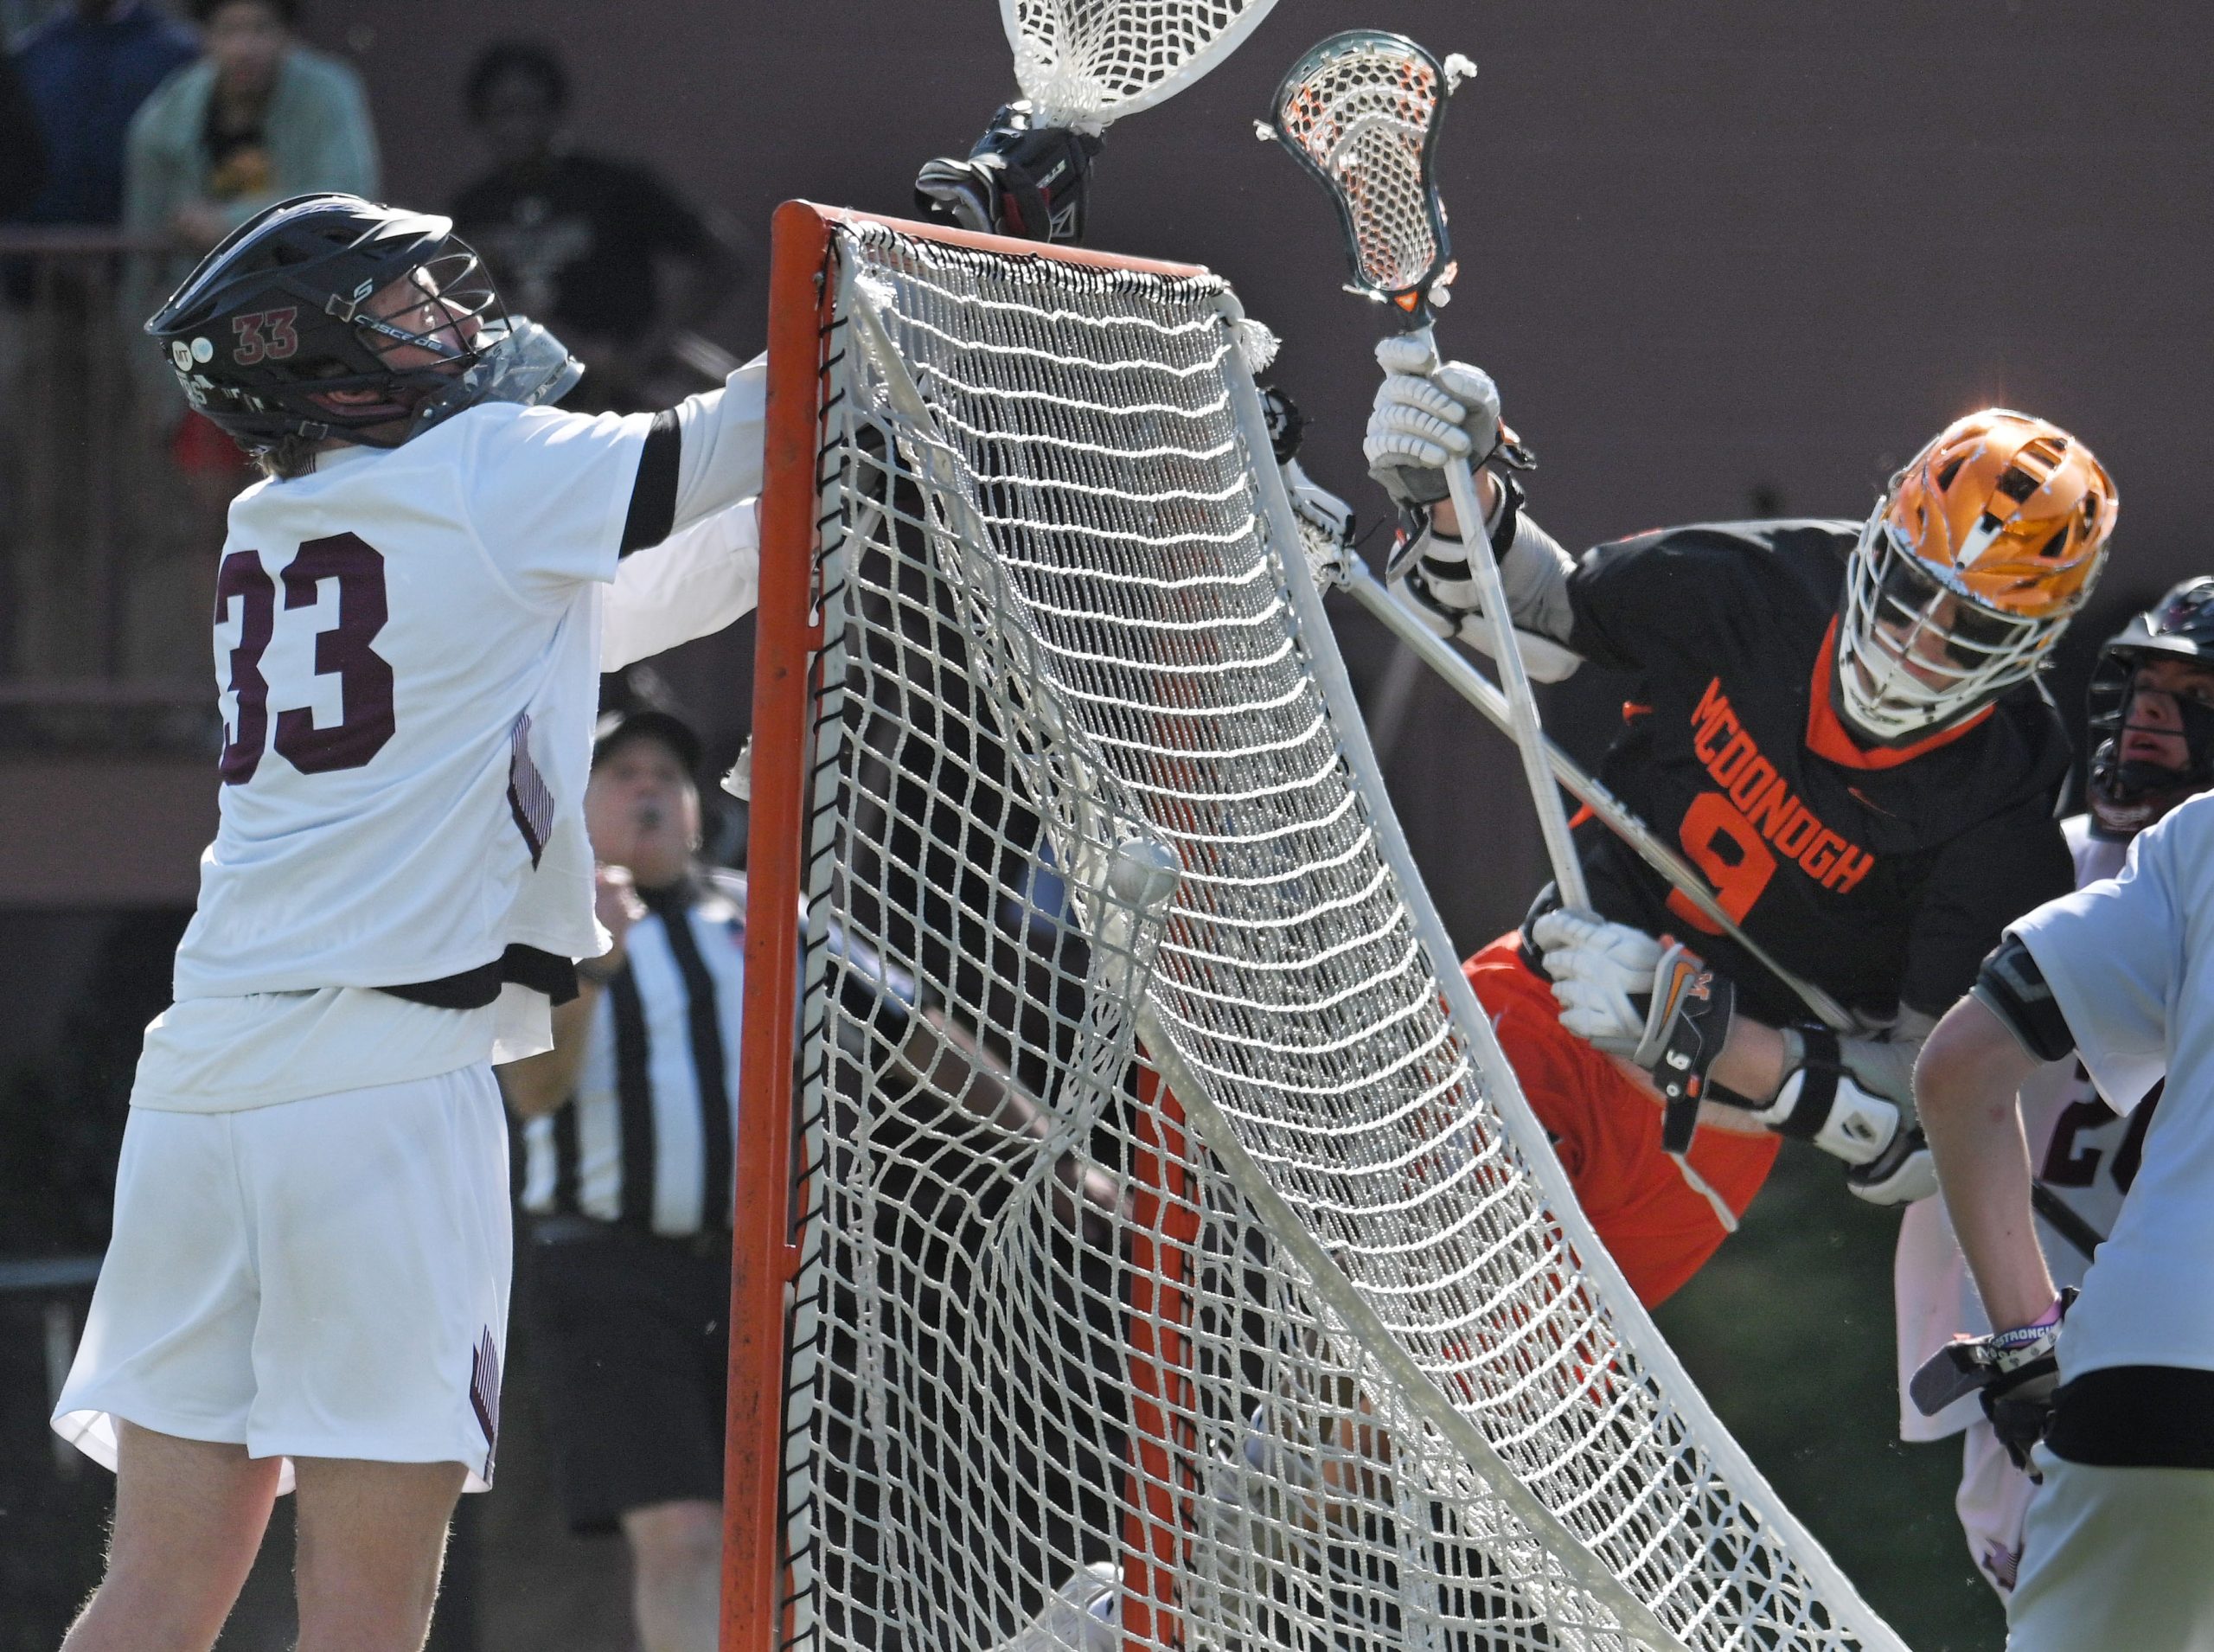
<point>1021,179</point>
<point>2013,1372</point>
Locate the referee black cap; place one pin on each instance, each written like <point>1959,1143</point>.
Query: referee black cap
<point>646,722</point>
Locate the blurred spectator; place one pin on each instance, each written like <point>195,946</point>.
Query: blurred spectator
<point>260,117</point>
<point>86,71</point>
<point>600,250</point>
<point>23,151</point>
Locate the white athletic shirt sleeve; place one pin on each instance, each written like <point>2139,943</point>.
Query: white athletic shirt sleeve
<point>694,583</point>
<point>722,434</point>
<point>547,492</point>
<point>2113,954</point>
<point>2131,964</point>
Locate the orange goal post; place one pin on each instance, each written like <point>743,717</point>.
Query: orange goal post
<point>1141,1240</point>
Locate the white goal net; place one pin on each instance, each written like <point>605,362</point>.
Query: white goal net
<point>1177,1264</point>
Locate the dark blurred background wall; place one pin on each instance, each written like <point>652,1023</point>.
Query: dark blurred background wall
<point>1723,255</point>
<point>1716,252</point>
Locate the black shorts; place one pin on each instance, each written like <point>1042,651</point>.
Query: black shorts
<point>633,1348</point>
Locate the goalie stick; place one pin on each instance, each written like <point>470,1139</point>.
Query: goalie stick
<point>1360,112</point>
<point>1082,64</point>
<point>1086,65</point>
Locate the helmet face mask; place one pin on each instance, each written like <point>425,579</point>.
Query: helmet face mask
<point>328,315</point>
<point>1976,558</point>
<point>2128,792</point>
<point>1914,655</point>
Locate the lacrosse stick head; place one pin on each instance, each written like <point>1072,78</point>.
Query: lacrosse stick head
<point>1360,113</point>
<point>1086,63</point>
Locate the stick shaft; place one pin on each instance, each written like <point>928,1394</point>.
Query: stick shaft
<point>1523,726</point>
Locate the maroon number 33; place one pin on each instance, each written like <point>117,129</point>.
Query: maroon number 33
<point>364,675</point>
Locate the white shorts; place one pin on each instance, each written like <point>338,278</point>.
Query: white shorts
<point>325,1277</point>
<point>1992,1502</point>
<point>2116,1558</point>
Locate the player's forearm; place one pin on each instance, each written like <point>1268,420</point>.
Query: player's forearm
<point>1965,1086</point>
<point>538,1084</point>
<point>694,583</point>
<point>1534,573</point>
<point>951,1061</point>
<point>1754,1062</point>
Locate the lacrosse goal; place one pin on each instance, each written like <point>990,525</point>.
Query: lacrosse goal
<point>1232,1299</point>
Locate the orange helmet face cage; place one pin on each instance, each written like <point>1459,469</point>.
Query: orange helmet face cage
<point>2008,509</point>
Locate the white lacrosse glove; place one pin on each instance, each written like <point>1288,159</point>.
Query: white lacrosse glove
<point>1425,415</point>
<point>1654,1003</point>
<point>1326,526</point>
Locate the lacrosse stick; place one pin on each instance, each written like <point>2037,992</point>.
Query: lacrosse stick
<point>1082,64</point>
<point>1087,63</point>
<point>1360,112</point>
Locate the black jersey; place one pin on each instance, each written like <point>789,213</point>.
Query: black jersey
<point>1882,876</point>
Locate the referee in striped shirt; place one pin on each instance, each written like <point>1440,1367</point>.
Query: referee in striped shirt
<point>628,1150</point>
<point>629,1147</point>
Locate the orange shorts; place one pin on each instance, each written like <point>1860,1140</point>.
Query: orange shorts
<point>1659,1229</point>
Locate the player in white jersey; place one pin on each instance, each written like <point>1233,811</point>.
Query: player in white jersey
<point>2153,701</point>
<point>2115,1406</point>
<point>309,1270</point>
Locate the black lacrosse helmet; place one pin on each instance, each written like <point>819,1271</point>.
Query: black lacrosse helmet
<point>2126,797</point>
<point>278,318</point>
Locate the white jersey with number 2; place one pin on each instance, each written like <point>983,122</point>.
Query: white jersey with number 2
<point>2080,1148</point>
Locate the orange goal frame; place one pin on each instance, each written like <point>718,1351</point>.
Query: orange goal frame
<point>765,1252</point>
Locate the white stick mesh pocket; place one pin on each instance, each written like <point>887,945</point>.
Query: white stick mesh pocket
<point>1087,62</point>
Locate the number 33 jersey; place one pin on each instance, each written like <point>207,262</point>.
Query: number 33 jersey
<point>1882,875</point>
<point>406,647</point>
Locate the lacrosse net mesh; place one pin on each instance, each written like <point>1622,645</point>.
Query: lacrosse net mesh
<point>1087,62</point>
<point>1360,111</point>
<point>1052,1382</point>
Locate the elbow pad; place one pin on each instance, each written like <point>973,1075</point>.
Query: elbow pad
<point>1432,572</point>
<point>2012,988</point>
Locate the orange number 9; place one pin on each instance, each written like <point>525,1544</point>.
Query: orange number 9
<point>1722,843</point>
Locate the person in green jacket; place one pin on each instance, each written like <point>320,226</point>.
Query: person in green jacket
<point>260,117</point>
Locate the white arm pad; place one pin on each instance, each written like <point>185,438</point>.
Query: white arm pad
<point>1859,1127</point>
<point>719,436</point>
<point>1875,1093</point>
<point>1435,577</point>
<point>694,582</point>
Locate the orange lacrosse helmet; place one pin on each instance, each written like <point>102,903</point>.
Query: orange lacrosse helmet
<point>1980,551</point>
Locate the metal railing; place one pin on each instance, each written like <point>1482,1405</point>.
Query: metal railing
<point>106,544</point>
